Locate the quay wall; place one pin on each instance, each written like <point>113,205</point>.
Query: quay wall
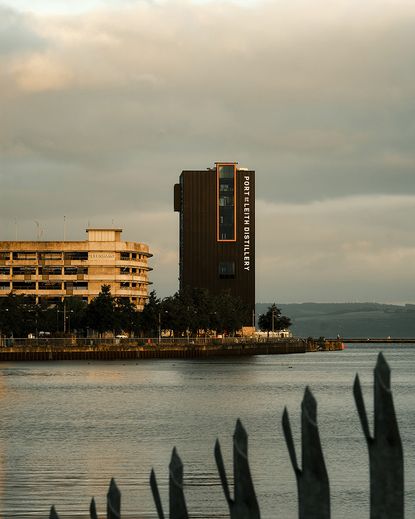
<point>151,351</point>
<point>86,349</point>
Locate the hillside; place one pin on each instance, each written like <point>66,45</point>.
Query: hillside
<point>348,319</point>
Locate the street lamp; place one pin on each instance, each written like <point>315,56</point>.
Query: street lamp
<point>1,333</point>
<point>68,317</point>
<point>57,319</point>
<point>159,327</point>
<point>65,318</point>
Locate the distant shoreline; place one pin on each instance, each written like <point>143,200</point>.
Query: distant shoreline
<point>379,341</point>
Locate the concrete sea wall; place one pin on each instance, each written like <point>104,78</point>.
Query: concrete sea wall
<point>89,349</point>
<point>149,351</point>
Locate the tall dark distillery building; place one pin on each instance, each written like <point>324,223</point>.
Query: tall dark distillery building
<point>217,231</point>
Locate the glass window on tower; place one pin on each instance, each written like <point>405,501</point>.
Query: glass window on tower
<point>226,202</point>
<point>227,270</point>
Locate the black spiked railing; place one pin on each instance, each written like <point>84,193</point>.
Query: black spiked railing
<point>93,509</point>
<point>156,495</point>
<point>245,504</point>
<point>113,501</point>
<point>385,447</point>
<point>177,502</point>
<point>312,479</point>
<point>385,460</point>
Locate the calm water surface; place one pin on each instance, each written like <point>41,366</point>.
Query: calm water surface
<point>67,428</point>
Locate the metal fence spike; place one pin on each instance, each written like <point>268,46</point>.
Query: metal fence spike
<point>177,502</point>
<point>240,440</point>
<point>93,510</point>
<point>240,431</point>
<point>385,448</point>
<point>222,473</point>
<point>176,465</point>
<point>383,371</point>
<point>156,494</point>
<point>113,501</point>
<point>244,505</point>
<point>361,410</point>
<point>245,501</point>
<point>286,427</point>
<point>309,406</point>
<point>312,478</point>
<point>314,485</point>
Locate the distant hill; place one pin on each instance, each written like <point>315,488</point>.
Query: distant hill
<point>351,320</point>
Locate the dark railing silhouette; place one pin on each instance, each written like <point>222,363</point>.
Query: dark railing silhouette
<point>385,459</point>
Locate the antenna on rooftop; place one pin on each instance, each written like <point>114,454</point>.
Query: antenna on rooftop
<point>64,228</point>
<point>37,230</point>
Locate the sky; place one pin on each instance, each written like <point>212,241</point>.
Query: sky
<point>104,102</point>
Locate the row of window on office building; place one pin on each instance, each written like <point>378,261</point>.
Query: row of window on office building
<point>70,255</point>
<point>57,271</point>
<point>57,285</point>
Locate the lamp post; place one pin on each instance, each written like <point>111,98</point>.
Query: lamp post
<point>69,320</point>
<point>272,321</point>
<point>159,323</point>
<point>159,329</point>
<point>1,332</point>
<point>64,318</point>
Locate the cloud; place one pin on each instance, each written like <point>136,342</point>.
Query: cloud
<point>17,35</point>
<point>342,249</point>
<point>101,111</point>
<point>40,73</point>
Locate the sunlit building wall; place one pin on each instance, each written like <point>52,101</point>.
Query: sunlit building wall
<point>54,270</point>
<point>217,231</point>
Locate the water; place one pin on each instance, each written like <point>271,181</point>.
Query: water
<point>67,428</point>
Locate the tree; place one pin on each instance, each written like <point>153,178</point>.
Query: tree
<point>76,311</point>
<point>172,315</point>
<point>230,313</point>
<point>272,320</point>
<point>150,316</point>
<point>17,315</point>
<point>100,315</point>
<point>195,311</point>
<point>46,316</point>
<point>204,308</point>
<point>188,311</point>
<point>126,315</point>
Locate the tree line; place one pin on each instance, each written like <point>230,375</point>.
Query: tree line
<point>187,312</point>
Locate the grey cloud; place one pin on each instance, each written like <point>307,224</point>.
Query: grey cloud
<point>16,33</point>
<point>346,249</point>
<point>99,122</point>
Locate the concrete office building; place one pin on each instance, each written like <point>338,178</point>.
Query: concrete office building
<point>217,231</point>
<point>54,270</point>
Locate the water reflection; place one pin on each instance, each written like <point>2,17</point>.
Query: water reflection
<point>67,428</point>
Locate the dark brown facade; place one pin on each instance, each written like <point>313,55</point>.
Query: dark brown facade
<point>217,231</point>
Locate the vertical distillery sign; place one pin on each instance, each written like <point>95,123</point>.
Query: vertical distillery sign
<point>247,222</point>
